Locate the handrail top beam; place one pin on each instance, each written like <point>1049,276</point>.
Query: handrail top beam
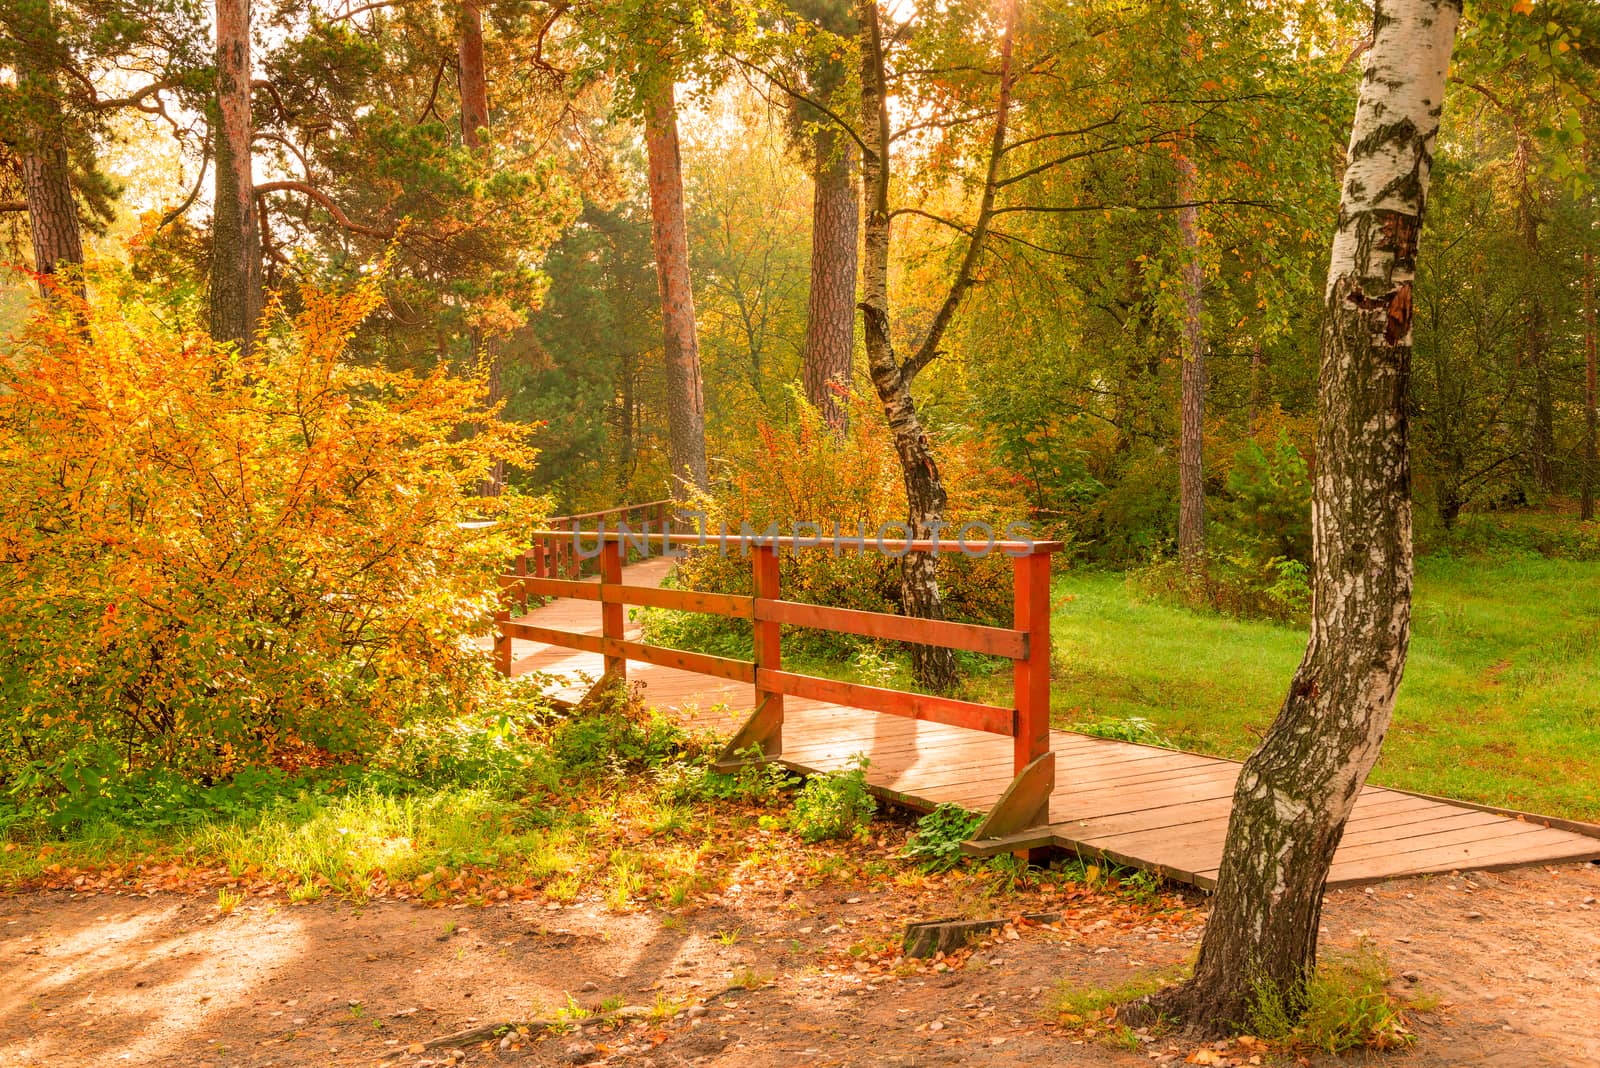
<point>790,541</point>
<point>621,508</point>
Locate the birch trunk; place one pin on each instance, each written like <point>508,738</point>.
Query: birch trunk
<point>236,293</point>
<point>933,667</point>
<point>1192,406</point>
<point>1296,791</point>
<point>831,310</point>
<point>686,405</point>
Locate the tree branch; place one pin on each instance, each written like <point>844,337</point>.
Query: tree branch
<point>326,201</point>
<point>929,349</point>
<point>172,216</point>
<point>9,206</point>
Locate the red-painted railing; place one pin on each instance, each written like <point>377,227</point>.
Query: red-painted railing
<point>1026,642</point>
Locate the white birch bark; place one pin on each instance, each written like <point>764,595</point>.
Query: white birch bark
<point>1296,791</point>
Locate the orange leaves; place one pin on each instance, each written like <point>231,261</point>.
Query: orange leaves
<point>214,550</point>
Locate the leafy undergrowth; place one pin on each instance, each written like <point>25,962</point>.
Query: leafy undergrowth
<point>610,803</point>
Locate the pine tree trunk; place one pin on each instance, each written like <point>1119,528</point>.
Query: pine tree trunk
<point>473,84</point>
<point>925,495</point>
<point>1591,393</point>
<point>1296,791</point>
<point>47,183</point>
<point>686,405</point>
<point>236,295</point>
<point>1535,337</point>
<point>1191,438</point>
<point>52,216</point>
<point>1258,364</point>
<point>471,78</point>
<point>831,311</point>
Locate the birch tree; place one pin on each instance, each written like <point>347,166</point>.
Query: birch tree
<point>1296,791</point>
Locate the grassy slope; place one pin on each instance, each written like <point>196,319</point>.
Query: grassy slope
<point>1501,701</point>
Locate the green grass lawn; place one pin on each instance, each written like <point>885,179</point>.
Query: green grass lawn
<point>1500,705</point>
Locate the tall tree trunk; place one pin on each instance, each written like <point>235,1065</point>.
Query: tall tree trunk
<point>471,78</point>
<point>1296,791</point>
<point>1591,392</point>
<point>925,494</point>
<point>825,365</point>
<point>473,85</point>
<point>47,179</point>
<point>1191,437</point>
<point>1535,338</point>
<point>1258,364</point>
<point>52,216</point>
<point>236,294</point>
<point>686,404</point>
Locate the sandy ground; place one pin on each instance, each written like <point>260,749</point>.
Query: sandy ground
<point>1514,959</point>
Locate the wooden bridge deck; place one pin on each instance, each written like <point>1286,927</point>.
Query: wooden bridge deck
<point>1157,809</point>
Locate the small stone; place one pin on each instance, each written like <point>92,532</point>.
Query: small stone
<point>696,1011</point>
<point>580,1053</point>
<point>937,1025</point>
<point>1474,915</point>
<point>1410,977</point>
<point>589,987</point>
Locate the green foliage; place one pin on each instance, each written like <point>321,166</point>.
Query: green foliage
<point>936,843</point>
<point>1346,1005</point>
<point>1236,584</point>
<point>835,805</point>
<point>1499,535</point>
<point>1272,498</point>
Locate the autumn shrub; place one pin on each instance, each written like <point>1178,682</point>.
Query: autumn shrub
<point>801,472</point>
<point>215,559</point>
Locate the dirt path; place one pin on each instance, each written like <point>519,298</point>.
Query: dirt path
<point>110,980</point>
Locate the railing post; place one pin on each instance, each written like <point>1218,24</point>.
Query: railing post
<point>502,642</point>
<point>768,649</point>
<point>1031,676</point>
<point>522,589</point>
<point>611,612</point>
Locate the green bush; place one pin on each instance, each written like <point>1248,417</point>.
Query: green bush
<point>1239,585</point>
<point>835,805</point>
<point>936,843</point>
<point>1272,498</point>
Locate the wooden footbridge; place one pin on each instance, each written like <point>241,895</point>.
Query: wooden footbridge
<point>1157,809</point>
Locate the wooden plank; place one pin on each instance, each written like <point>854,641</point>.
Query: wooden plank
<point>715,604</point>
<point>994,641</point>
<point>589,643</point>
<point>576,589</point>
<point>721,667</point>
<point>969,714</point>
<point>1499,855</point>
<point>1026,802</point>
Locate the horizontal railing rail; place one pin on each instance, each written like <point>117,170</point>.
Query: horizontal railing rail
<point>549,570</point>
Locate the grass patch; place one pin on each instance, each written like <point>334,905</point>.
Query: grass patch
<point>1497,705</point>
<point>1346,1006</point>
